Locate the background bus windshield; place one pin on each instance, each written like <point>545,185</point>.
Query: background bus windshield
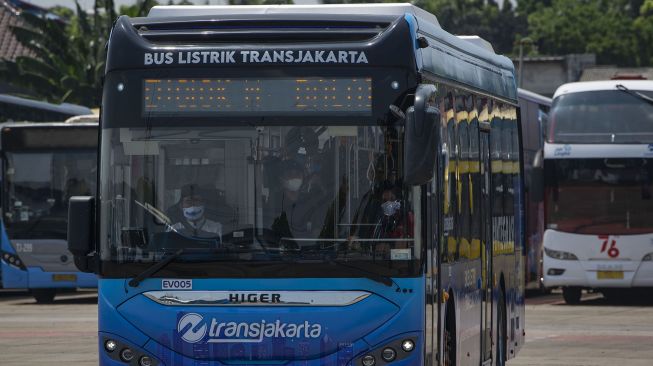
<point>606,116</point>
<point>38,186</point>
<point>600,196</point>
<point>256,194</point>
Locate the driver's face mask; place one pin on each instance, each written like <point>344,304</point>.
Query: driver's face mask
<point>193,213</point>
<point>293,184</point>
<point>391,207</point>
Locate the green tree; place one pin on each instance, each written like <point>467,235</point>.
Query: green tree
<point>643,25</point>
<point>139,9</point>
<point>69,57</point>
<point>602,27</point>
<point>478,17</point>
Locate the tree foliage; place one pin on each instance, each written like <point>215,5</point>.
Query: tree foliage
<point>69,56</point>
<point>593,26</point>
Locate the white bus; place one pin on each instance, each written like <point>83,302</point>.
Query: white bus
<point>598,173</point>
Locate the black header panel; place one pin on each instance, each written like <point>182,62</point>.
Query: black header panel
<point>259,41</point>
<point>24,138</point>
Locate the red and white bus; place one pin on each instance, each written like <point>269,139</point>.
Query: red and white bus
<point>598,174</point>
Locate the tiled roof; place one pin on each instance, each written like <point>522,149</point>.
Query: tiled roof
<point>10,48</point>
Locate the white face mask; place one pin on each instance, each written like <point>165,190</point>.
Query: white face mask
<point>390,207</point>
<point>194,213</point>
<point>293,184</point>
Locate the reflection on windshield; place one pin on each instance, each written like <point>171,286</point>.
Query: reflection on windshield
<point>608,116</point>
<point>600,196</point>
<point>266,193</point>
<point>38,186</point>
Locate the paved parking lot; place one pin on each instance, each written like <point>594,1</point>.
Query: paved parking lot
<point>596,333</point>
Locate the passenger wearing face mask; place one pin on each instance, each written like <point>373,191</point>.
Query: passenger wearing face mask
<point>194,222</point>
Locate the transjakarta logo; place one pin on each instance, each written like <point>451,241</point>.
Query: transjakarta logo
<point>193,328</point>
<point>254,57</point>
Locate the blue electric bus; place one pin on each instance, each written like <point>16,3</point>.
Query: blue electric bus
<point>43,165</point>
<point>304,185</point>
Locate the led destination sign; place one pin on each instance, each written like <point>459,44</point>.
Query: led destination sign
<point>240,96</point>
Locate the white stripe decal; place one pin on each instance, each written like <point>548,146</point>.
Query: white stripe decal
<point>574,151</point>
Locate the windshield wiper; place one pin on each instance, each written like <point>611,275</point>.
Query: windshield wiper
<point>385,280</point>
<point>635,94</point>
<point>134,282</point>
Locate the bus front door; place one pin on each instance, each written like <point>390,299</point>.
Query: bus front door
<point>486,250</point>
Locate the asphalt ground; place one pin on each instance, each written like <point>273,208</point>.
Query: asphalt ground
<point>598,332</point>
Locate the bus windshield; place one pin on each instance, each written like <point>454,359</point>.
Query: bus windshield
<point>600,196</point>
<point>303,194</point>
<point>596,117</point>
<point>38,186</point>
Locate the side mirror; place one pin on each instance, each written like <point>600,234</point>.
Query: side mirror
<point>81,231</point>
<point>421,137</point>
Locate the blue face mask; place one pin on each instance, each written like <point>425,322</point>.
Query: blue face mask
<point>194,213</point>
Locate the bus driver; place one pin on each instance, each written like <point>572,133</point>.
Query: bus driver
<point>194,223</point>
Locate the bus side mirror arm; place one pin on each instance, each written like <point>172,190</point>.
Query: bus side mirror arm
<point>81,232</point>
<point>421,137</point>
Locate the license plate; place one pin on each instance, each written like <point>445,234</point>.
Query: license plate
<point>64,277</point>
<point>610,275</point>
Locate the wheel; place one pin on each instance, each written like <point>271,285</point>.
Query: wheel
<point>571,295</point>
<point>44,296</point>
<point>502,343</point>
<point>449,336</point>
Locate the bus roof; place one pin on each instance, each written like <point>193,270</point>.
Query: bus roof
<point>468,60</point>
<point>326,9</point>
<point>534,97</point>
<point>47,124</point>
<point>63,108</point>
<point>584,86</point>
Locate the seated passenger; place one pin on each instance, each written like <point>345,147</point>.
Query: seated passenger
<point>194,222</point>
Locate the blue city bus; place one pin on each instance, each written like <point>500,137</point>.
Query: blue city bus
<point>43,165</point>
<point>304,185</point>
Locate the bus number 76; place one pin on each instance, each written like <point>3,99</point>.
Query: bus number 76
<point>613,251</point>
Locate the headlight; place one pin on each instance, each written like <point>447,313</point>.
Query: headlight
<point>407,345</point>
<point>648,257</point>
<point>126,355</point>
<point>558,254</point>
<point>110,345</point>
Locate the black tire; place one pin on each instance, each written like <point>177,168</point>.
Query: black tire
<point>502,334</point>
<point>571,295</point>
<point>44,296</point>
<point>449,336</point>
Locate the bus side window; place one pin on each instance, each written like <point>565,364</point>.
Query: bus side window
<point>496,168</point>
<point>462,177</point>
<point>475,179</point>
<point>449,245</point>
